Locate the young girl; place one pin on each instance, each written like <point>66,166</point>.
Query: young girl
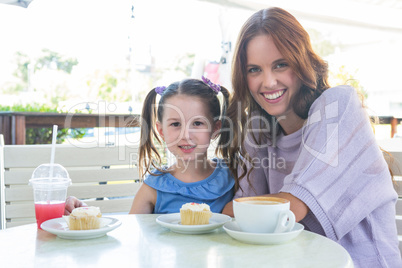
<point>186,118</point>
<point>297,138</point>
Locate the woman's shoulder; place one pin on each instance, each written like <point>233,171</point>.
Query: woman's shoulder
<point>338,98</point>
<point>342,92</point>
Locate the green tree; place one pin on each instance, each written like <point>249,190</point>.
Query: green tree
<point>185,63</point>
<point>320,43</point>
<point>49,59</point>
<point>107,86</point>
<point>343,77</point>
<point>110,85</point>
<point>21,73</point>
<point>53,60</point>
<point>23,62</point>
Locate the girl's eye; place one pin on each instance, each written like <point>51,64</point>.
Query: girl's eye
<point>175,124</point>
<point>254,69</point>
<point>198,123</point>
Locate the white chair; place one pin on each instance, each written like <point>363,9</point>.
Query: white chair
<point>2,186</point>
<point>394,147</point>
<point>106,177</point>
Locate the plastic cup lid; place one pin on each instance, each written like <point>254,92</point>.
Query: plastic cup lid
<point>44,175</point>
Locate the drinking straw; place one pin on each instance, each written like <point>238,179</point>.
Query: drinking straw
<point>54,137</point>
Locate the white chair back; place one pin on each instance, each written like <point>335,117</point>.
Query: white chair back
<point>106,177</point>
<point>394,147</point>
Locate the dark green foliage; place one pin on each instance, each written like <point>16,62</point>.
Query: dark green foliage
<point>43,135</point>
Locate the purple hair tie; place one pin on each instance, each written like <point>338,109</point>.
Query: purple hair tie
<point>215,87</point>
<point>160,90</point>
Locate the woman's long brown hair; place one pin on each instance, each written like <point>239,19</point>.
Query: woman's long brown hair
<point>293,42</point>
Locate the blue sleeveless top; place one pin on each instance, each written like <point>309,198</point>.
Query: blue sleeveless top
<point>216,190</point>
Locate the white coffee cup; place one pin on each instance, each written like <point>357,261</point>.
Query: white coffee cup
<point>263,214</point>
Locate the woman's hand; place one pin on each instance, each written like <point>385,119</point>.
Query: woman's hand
<point>298,207</point>
<point>71,203</point>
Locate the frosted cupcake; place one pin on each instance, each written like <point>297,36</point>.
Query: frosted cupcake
<point>195,214</point>
<point>84,218</point>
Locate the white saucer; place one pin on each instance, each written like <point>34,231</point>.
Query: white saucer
<point>172,221</point>
<point>261,238</point>
<point>59,227</point>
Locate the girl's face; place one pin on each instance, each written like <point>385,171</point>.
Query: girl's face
<point>271,81</point>
<point>187,127</point>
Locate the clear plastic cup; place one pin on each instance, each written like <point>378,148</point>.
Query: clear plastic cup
<point>50,183</point>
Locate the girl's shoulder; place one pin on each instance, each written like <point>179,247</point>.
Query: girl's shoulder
<point>218,184</point>
<point>220,163</point>
<point>156,174</point>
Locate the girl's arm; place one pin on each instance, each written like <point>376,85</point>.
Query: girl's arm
<point>144,201</point>
<point>71,203</point>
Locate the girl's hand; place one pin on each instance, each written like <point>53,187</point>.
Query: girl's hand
<point>71,203</point>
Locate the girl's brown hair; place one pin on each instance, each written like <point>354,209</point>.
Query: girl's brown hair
<point>149,157</point>
<point>293,42</point>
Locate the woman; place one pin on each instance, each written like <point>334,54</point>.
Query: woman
<point>295,137</point>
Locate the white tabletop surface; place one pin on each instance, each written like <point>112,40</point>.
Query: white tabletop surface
<point>141,242</point>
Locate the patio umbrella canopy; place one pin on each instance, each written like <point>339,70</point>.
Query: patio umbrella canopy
<point>21,3</point>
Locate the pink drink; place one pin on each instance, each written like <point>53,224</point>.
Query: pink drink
<point>46,211</point>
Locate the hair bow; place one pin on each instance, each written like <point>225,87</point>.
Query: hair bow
<point>215,87</point>
<point>160,90</point>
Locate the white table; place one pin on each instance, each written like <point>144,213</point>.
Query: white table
<point>141,242</point>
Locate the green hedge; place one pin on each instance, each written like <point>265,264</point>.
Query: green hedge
<point>43,135</point>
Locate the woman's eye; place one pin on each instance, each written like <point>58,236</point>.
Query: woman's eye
<point>198,123</point>
<point>281,65</point>
<point>253,70</point>
<point>175,124</point>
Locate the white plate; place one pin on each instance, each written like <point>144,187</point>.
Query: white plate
<point>172,221</point>
<point>59,227</point>
<point>261,238</point>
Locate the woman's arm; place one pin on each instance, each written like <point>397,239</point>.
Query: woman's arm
<point>144,201</point>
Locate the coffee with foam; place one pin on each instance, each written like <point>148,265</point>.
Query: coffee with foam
<point>260,202</point>
<point>263,214</point>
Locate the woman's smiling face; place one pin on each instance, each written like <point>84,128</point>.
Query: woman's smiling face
<point>271,81</point>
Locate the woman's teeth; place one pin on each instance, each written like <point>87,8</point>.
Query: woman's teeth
<point>274,95</point>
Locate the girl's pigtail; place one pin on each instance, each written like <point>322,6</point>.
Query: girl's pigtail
<point>226,96</point>
<point>148,153</point>
<point>224,138</point>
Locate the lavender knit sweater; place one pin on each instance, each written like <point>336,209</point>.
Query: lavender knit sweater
<point>335,167</point>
